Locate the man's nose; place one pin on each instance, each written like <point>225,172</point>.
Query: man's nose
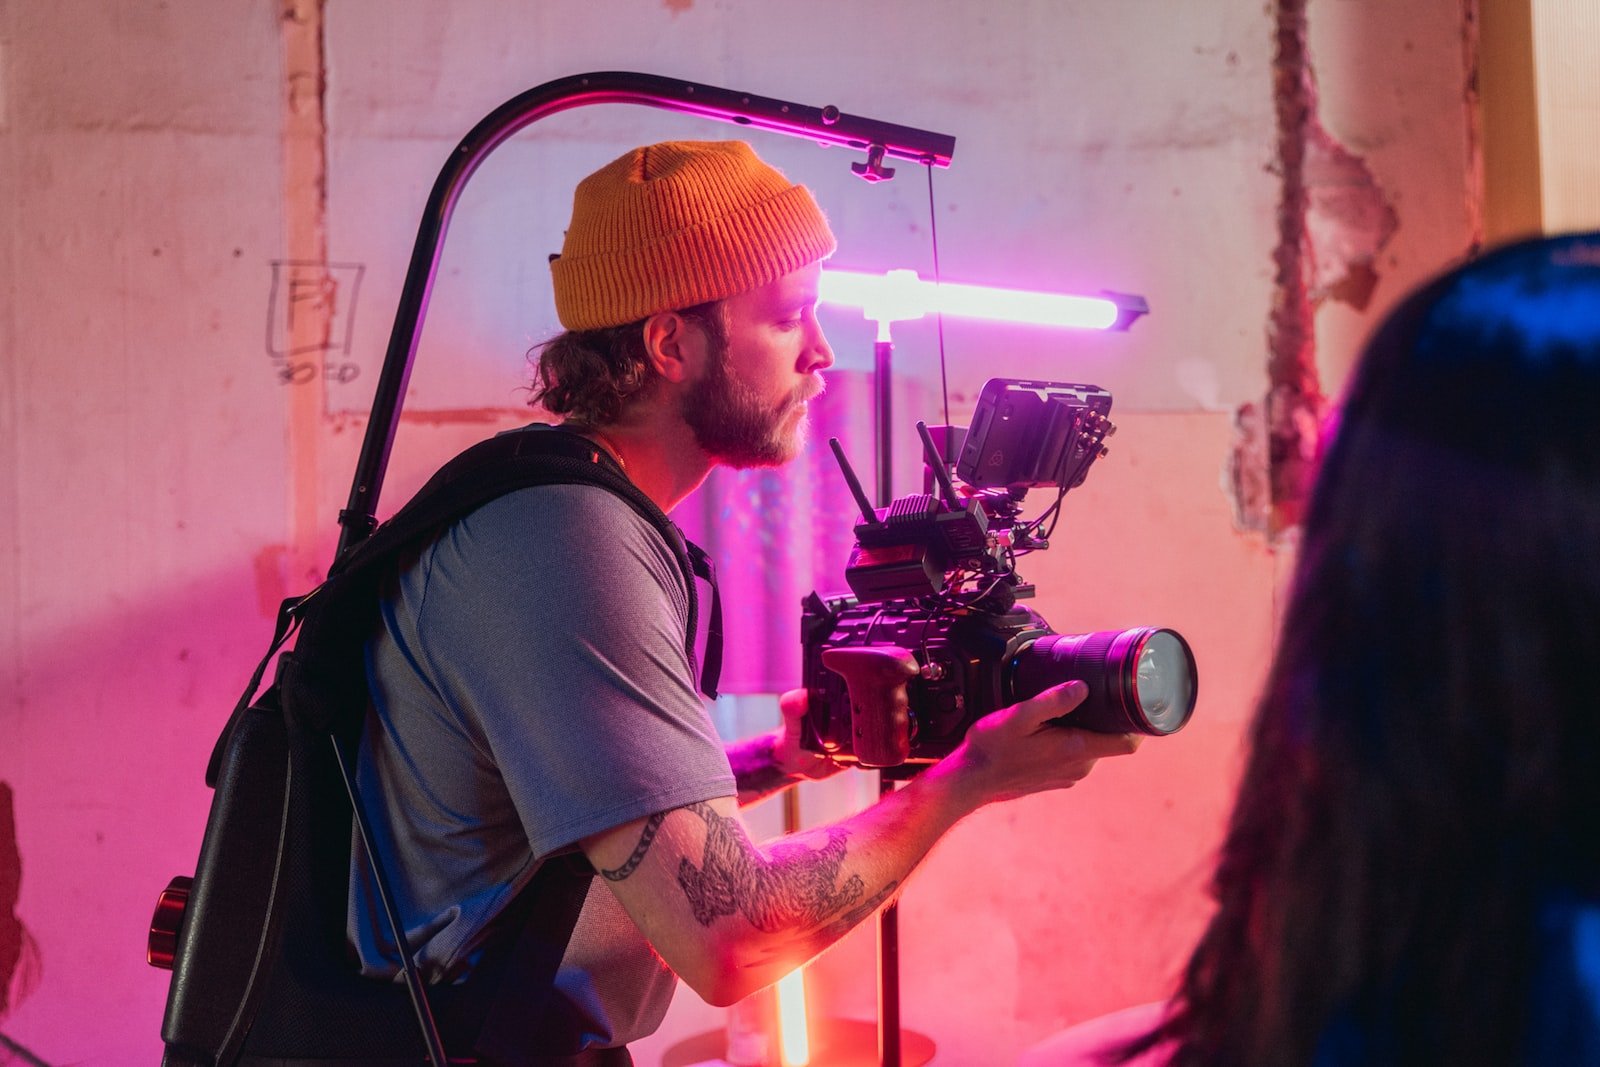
<point>819,354</point>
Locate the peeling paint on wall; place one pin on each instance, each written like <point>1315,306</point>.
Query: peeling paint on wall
<point>1477,175</point>
<point>1348,220</point>
<point>1246,476</point>
<point>1333,220</point>
<point>305,194</point>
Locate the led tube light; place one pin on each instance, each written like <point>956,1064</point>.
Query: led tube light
<point>900,295</point>
<point>794,1042</point>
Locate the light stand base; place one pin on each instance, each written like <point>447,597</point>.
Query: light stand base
<point>834,1043</point>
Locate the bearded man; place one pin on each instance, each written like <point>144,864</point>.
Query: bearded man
<point>533,695</point>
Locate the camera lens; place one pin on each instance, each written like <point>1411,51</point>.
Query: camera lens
<point>1140,680</point>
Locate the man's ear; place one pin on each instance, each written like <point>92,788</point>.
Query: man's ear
<point>673,345</point>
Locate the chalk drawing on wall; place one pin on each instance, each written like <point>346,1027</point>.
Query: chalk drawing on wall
<point>311,318</point>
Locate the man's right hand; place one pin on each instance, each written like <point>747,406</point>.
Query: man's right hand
<point>1017,751</point>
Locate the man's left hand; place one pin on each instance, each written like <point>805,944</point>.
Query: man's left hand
<point>787,754</point>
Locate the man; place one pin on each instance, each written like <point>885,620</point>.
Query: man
<point>532,688</point>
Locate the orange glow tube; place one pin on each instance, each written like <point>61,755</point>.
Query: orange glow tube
<point>794,1043</point>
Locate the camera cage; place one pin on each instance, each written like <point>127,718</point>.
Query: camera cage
<point>933,637</point>
<point>952,544</point>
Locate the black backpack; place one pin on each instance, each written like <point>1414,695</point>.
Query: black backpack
<point>262,973</point>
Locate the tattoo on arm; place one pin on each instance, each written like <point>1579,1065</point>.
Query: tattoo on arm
<point>843,924</point>
<point>795,890</point>
<point>809,944</point>
<point>651,827</point>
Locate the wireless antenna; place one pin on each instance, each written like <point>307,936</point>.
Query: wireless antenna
<point>868,515</point>
<point>930,455</point>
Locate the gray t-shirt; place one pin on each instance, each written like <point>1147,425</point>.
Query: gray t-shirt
<point>531,688</point>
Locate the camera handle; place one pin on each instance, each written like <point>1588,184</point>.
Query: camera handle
<point>880,709</point>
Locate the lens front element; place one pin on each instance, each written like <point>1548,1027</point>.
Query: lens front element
<point>1140,680</point>
<point>1164,681</point>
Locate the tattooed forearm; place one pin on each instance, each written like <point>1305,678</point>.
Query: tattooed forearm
<point>846,922</point>
<point>794,890</point>
<point>813,942</point>
<point>755,768</point>
<point>651,826</point>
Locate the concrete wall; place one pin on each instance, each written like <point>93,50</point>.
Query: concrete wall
<point>208,208</point>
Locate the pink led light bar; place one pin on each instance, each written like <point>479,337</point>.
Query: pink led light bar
<point>901,295</point>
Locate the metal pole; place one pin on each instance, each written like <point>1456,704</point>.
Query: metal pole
<point>888,970</point>
<point>889,918</point>
<point>882,418</point>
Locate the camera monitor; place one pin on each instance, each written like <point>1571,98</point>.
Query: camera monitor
<point>1028,434</point>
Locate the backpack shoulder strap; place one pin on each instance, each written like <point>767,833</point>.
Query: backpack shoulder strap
<point>336,617</point>
<point>516,460</point>
<point>339,615</point>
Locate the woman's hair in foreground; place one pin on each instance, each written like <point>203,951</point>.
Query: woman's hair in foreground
<point>589,376</point>
<point>1421,802</point>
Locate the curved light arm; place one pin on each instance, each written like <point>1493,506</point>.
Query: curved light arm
<point>826,125</point>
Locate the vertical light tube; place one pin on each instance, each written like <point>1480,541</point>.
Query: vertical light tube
<point>794,1037</point>
<point>794,1043</point>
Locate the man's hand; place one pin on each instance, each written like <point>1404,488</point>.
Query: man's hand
<point>773,761</point>
<point>1015,751</point>
<point>787,753</point>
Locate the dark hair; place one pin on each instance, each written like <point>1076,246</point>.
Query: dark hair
<point>590,375</point>
<point>1422,792</point>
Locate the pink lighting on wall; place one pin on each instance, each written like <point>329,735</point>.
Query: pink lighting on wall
<point>900,295</point>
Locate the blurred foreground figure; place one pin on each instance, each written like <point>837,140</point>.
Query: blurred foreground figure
<point>1412,870</point>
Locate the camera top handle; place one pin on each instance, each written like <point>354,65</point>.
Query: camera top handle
<point>826,125</point>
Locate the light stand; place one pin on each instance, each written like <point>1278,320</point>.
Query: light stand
<point>898,296</point>
<point>889,1043</point>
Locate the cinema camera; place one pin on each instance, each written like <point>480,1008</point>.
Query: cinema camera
<point>933,639</point>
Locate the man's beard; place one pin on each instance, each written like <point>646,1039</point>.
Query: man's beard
<point>733,425</point>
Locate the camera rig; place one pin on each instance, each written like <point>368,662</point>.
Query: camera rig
<point>932,638</point>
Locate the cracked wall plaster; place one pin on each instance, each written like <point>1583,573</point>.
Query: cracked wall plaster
<point>1333,220</point>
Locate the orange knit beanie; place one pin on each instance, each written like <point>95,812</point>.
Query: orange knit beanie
<point>677,224</point>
